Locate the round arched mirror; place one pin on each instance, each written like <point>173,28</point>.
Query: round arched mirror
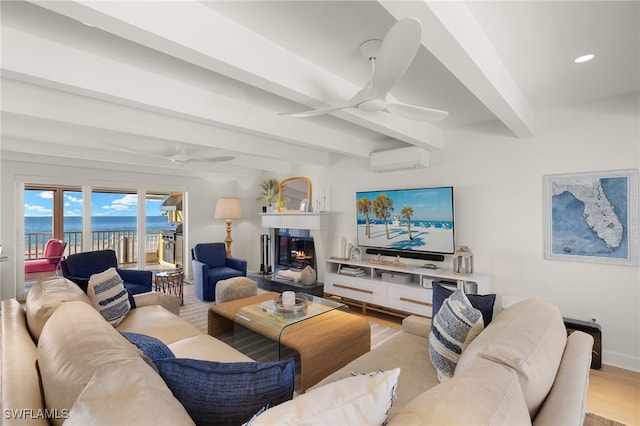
<point>294,194</point>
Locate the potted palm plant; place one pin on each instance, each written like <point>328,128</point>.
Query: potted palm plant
<point>269,192</point>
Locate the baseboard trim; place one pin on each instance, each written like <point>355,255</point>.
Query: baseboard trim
<point>621,360</point>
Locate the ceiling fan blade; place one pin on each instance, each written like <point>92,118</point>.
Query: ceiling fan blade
<point>396,52</point>
<point>154,154</point>
<point>217,159</point>
<point>320,111</point>
<point>416,112</point>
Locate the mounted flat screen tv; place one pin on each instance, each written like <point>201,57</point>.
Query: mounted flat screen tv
<point>407,220</point>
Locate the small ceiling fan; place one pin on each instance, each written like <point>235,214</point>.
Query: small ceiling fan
<point>390,59</point>
<point>182,156</point>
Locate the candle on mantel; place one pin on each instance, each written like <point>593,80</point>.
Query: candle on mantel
<point>288,298</point>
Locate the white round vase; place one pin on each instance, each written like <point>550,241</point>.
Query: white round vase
<point>308,275</point>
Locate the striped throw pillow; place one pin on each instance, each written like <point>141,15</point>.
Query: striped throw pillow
<point>108,295</point>
<point>455,325</point>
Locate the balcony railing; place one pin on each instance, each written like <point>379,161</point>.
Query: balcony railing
<point>124,242</point>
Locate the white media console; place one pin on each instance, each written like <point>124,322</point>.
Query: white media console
<point>393,289</point>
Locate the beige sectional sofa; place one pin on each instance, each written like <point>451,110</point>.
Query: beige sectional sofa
<point>520,370</point>
<point>84,368</point>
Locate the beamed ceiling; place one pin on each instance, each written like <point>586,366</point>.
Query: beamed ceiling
<point>144,82</point>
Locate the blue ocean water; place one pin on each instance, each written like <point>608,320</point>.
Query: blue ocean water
<point>33,224</point>
<point>438,224</point>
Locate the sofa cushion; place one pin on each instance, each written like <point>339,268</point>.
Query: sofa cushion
<point>127,393</point>
<point>486,394</point>
<point>207,348</point>
<point>529,337</point>
<point>412,382</point>
<point>156,321</point>
<point>45,297</point>
<point>150,346</point>
<point>75,342</point>
<point>364,399</point>
<point>215,393</point>
<point>454,327</point>
<point>482,302</point>
<point>108,295</point>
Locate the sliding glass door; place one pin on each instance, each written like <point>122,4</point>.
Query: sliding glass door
<point>56,212</point>
<point>52,212</point>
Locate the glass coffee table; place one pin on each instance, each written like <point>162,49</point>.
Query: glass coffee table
<point>270,318</point>
<point>323,336</point>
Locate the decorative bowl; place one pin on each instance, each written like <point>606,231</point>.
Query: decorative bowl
<point>300,305</point>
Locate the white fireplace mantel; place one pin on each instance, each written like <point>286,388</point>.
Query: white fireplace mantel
<point>315,221</point>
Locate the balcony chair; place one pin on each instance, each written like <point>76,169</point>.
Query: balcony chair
<point>210,265</point>
<point>50,260</point>
<point>79,267</point>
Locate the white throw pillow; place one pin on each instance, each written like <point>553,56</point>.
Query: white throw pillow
<point>364,399</point>
<point>108,295</point>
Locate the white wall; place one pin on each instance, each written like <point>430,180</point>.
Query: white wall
<point>499,210</point>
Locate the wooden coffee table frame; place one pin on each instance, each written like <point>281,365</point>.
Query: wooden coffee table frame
<point>325,343</point>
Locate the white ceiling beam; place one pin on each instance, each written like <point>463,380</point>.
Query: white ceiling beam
<point>197,34</point>
<point>19,149</point>
<point>90,75</point>
<point>117,124</point>
<point>73,139</point>
<point>452,34</point>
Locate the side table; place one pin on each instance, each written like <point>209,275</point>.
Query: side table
<point>170,282</point>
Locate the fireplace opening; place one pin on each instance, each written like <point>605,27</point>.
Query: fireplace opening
<point>294,249</point>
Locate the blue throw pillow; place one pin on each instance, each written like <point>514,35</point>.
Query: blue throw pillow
<point>482,302</point>
<point>218,393</point>
<point>150,346</point>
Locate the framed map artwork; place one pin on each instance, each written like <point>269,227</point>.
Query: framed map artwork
<point>592,217</point>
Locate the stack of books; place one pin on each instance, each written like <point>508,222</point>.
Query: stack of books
<point>353,271</point>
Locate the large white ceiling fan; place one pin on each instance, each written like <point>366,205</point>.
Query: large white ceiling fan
<point>182,155</point>
<point>389,59</point>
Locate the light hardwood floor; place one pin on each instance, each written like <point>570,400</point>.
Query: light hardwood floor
<point>613,392</point>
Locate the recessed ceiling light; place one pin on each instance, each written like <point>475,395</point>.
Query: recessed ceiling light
<point>583,58</point>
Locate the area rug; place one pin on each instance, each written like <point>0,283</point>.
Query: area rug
<point>595,420</point>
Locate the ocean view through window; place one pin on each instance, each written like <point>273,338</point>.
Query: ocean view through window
<point>105,231</point>
<point>52,212</point>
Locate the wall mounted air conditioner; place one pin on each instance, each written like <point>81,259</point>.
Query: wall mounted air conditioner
<point>399,159</point>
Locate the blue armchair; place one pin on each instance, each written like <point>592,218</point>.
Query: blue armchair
<point>79,267</point>
<point>210,265</point>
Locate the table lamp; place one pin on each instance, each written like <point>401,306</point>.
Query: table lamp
<point>228,208</point>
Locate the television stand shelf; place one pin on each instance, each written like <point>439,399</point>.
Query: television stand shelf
<point>394,289</point>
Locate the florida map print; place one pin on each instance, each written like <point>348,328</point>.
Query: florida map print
<point>590,216</point>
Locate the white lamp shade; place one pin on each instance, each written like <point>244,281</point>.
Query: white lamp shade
<point>228,208</point>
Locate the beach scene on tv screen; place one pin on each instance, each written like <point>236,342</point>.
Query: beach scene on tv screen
<point>407,219</point>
